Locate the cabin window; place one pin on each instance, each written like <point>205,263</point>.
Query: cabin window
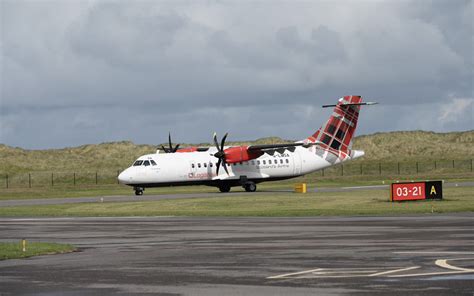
<point>264,162</point>
<point>241,163</point>
<point>281,161</point>
<point>138,162</point>
<point>210,164</point>
<point>253,162</point>
<point>152,162</point>
<point>287,161</point>
<point>205,165</point>
<point>146,163</point>
<point>199,165</point>
<point>258,162</point>
<point>193,166</point>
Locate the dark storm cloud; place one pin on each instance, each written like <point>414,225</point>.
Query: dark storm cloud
<point>75,72</point>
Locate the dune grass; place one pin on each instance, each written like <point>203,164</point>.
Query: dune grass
<point>13,250</point>
<point>370,202</point>
<point>109,157</point>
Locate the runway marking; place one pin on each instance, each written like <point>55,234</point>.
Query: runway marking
<point>428,273</point>
<point>293,273</point>
<point>373,272</point>
<point>444,263</point>
<point>394,271</point>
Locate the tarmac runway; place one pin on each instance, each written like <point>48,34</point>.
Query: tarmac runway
<point>408,255</point>
<point>132,198</point>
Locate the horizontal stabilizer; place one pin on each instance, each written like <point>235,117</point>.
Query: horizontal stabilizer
<point>351,104</point>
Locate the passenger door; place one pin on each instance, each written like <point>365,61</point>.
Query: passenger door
<point>296,157</point>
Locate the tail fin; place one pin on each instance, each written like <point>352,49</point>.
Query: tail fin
<point>338,131</point>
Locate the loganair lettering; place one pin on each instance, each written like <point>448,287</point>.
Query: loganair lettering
<point>225,167</point>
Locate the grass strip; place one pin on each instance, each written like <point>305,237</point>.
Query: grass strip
<point>370,202</point>
<point>312,182</point>
<point>13,250</point>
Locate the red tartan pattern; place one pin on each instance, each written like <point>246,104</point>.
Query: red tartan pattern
<point>336,134</point>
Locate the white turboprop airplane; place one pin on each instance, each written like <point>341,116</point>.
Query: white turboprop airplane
<point>248,165</point>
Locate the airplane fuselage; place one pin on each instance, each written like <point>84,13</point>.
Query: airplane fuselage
<point>199,168</point>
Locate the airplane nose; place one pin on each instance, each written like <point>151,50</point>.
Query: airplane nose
<point>124,177</point>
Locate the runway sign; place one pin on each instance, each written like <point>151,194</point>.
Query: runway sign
<point>416,190</point>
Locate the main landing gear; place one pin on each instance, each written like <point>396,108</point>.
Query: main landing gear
<point>224,188</point>
<point>250,186</point>
<point>139,190</point>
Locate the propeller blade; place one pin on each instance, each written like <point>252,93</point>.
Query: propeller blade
<point>217,166</point>
<point>215,141</point>
<point>220,154</point>
<point>223,141</point>
<point>164,149</point>
<point>169,141</point>
<point>176,148</point>
<point>224,164</point>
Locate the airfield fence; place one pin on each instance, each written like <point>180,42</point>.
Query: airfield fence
<point>109,177</point>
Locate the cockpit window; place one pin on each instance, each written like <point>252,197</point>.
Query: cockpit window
<point>152,162</point>
<point>146,163</point>
<point>138,162</point>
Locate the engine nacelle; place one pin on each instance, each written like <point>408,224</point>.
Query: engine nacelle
<point>240,153</point>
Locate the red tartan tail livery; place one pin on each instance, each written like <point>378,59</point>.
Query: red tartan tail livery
<point>246,166</point>
<point>336,134</point>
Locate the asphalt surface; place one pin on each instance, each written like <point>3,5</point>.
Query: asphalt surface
<point>132,197</point>
<point>409,255</point>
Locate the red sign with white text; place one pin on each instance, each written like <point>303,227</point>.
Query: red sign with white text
<point>408,191</point>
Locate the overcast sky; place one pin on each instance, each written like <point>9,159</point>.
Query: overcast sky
<point>80,72</point>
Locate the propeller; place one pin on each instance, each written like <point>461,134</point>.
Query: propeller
<point>171,149</point>
<point>220,154</point>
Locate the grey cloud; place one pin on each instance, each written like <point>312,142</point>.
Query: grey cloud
<point>125,37</point>
<point>323,46</point>
<point>149,67</point>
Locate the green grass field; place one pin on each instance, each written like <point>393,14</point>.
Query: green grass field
<point>314,180</point>
<point>14,250</point>
<point>370,202</point>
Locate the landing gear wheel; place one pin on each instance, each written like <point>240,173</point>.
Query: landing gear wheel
<point>250,187</point>
<point>139,191</point>
<point>224,188</point>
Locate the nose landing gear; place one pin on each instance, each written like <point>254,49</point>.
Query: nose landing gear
<point>139,190</point>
